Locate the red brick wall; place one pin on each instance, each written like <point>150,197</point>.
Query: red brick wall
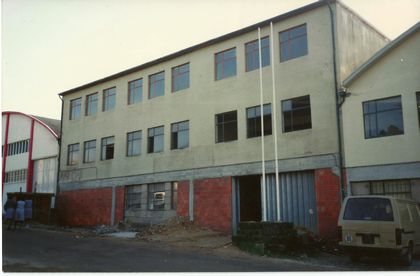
<point>183,199</point>
<point>328,200</point>
<point>89,207</point>
<point>212,203</point>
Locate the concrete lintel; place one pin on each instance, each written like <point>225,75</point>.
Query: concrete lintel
<point>285,165</point>
<point>384,172</point>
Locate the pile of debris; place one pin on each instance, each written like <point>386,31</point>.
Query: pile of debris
<point>169,226</point>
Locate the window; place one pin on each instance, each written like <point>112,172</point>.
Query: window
<point>108,99</point>
<point>296,114</point>
<point>253,120</point>
<point>252,54</point>
<point>397,188</point>
<point>155,139</point>
<point>157,85</point>
<point>418,105</point>
<point>107,148</point>
<point>73,154</point>
<point>134,143</point>
<point>181,77</point>
<point>383,117</point>
<point>174,193</point>
<point>89,152</point>
<point>226,127</point>
<point>225,63</point>
<point>133,196</point>
<point>18,147</point>
<point>156,196</point>
<point>16,176</point>
<point>135,91</point>
<point>180,135</point>
<point>373,209</point>
<point>91,104</point>
<point>75,108</point>
<point>293,43</point>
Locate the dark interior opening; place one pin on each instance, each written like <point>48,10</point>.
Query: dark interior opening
<point>250,198</point>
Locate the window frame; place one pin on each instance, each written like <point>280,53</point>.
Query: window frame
<point>70,154</point>
<point>291,39</point>
<point>128,141</point>
<point>106,95</point>
<point>296,109</point>
<point>72,108</point>
<point>376,116</point>
<point>258,118</point>
<point>187,130</point>
<point>223,76</point>
<point>176,76</point>
<point>104,147</point>
<point>152,83</point>
<point>149,137</point>
<point>130,91</point>
<point>224,123</point>
<point>256,52</point>
<point>85,149</point>
<point>418,105</point>
<point>88,111</point>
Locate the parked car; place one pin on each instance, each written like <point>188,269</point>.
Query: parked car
<point>379,226</point>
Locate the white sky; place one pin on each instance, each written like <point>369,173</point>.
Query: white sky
<point>50,46</point>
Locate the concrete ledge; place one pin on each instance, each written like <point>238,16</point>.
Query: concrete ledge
<point>384,172</point>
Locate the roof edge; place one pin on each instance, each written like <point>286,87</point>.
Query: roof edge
<point>210,42</point>
<point>56,135</point>
<point>382,52</point>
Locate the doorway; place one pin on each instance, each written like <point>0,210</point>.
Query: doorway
<point>249,198</point>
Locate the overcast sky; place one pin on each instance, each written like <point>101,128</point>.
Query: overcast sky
<point>50,46</point>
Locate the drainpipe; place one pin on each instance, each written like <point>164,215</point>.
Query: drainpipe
<point>59,151</point>
<point>338,105</point>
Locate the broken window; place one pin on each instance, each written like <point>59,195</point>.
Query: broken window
<point>226,127</point>
<point>253,120</point>
<point>155,139</point>
<point>180,135</point>
<point>296,114</point>
<point>107,148</point>
<point>133,197</point>
<point>156,196</point>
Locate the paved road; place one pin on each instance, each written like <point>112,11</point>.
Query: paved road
<point>41,250</point>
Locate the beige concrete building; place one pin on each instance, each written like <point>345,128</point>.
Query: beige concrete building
<point>181,135</point>
<point>381,121</point>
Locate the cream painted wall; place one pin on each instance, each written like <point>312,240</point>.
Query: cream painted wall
<point>17,162</point>
<point>19,128</point>
<point>308,75</point>
<point>45,144</point>
<point>395,74</point>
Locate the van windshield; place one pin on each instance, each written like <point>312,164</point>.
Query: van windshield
<point>378,209</point>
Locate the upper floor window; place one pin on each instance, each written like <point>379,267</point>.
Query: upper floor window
<point>253,120</point>
<point>75,108</point>
<point>157,85</point>
<point>225,64</point>
<point>134,143</point>
<point>89,151</point>
<point>252,54</point>
<point>418,105</point>
<point>91,104</point>
<point>226,127</point>
<point>18,147</point>
<point>383,117</point>
<point>155,139</point>
<point>180,135</point>
<point>180,77</point>
<point>107,148</point>
<point>296,114</point>
<point>108,99</point>
<point>135,91</point>
<point>293,43</point>
<point>73,154</point>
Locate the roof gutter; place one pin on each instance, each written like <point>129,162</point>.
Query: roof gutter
<point>59,150</point>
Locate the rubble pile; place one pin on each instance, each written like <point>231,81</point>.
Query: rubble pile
<point>170,226</point>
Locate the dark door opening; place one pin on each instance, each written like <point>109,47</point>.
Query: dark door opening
<point>250,198</point>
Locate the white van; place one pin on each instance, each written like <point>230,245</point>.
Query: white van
<point>379,226</point>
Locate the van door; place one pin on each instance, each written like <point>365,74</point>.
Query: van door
<point>415,211</point>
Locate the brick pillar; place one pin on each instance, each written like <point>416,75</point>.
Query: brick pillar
<point>328,200</point>
<point>183,198</point>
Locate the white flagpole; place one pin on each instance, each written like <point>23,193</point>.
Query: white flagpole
<point>264,211</point>
<point>275,121</point>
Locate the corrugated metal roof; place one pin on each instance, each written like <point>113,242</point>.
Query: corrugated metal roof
<point>52,123</point>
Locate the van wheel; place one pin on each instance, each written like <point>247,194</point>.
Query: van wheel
<point>355,258</point>
<point>407,258</point>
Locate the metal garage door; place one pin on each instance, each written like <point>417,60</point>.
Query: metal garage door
<point>297,199</point>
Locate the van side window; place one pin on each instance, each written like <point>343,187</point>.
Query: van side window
<point>403,208</point>
<point>414,212</point>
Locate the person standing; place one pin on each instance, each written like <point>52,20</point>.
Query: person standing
<point>10,208</point>
<point>20,213</point>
